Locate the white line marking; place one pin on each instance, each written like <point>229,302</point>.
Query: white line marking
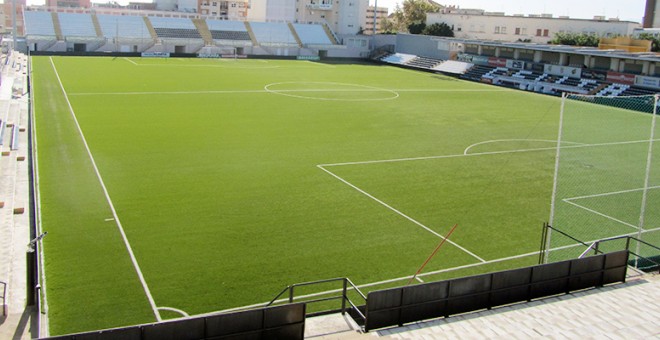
<point>465,152</point>
<point>609,193</point>
<point>175,310</point>
<point>354,88</point>
<point>400,213</point>
<point>109,219</point>
<point>107,196</point>
<point>481,153</point>
<point>164,92</point>
<point>601,214</point>
<point>131,61</point>
<point>255,91</point>
<point>419,279</point>
<point>37,204</point>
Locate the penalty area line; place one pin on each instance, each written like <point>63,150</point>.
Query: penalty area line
<point>107,197</point>
<point>400,213</point>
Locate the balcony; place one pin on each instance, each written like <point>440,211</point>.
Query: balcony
<point>322,5</point>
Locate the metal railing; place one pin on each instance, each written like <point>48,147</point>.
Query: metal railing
<point>4,294</point>
<point>347,285</point>
<point>595,245</point>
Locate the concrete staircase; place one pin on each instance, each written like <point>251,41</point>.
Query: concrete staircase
<point>295,34</point>
<point>97,26</point>
<point>251,33</point>
<point>331,35</point>
<point>150,28</point>
<point>204,31</point>
<point>57,26</point>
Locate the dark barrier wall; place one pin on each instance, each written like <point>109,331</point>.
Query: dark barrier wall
<point>281,322</point>
<point>397,306</point>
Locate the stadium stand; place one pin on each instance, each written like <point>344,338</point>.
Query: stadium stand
<point>312,34</point>
<point>177,28</point>
<point>228,30</point>
<point>39,24</point>
<point>452,66</point>
<point>398,58</point>
<point>125,27</point>
<point>273,33</point>
<point>423,62</point>
<point>77,25</point>
<point>476,72</point>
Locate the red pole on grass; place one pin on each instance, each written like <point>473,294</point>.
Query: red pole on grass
<point>432,254</point>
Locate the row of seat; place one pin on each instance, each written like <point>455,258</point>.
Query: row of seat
<point>81,25</point>
<point>230,35</point>
<point>517,78</point>
<point>180,33</point>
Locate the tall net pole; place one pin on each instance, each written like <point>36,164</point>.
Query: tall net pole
<point>548,236</point>
<point>647,176</point>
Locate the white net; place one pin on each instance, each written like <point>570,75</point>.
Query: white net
<point>607,181</point>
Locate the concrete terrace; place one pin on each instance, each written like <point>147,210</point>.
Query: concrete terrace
<point>629,310</point>
<point>17,321</point>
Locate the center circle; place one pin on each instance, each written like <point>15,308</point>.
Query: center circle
<point>331,91</point>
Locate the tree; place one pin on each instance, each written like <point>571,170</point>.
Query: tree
<point>655,47</point>
<point>388,26</point>
<point>416,28</point>
<point>413,12</point>
<point>440,30</point>
<point>576,39</point>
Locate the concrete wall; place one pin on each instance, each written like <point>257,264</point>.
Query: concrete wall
<point>514,28</point>
<point>423,45</point>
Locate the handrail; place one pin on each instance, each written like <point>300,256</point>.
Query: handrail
<point>347,285</point>
<point>595,245</point>
<point>4,295</point>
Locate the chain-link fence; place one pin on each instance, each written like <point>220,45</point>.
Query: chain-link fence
<point>607,180</point>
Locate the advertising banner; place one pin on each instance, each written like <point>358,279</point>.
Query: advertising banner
<point>496,62</point>
<point>155,55</point>
<point>566,71</point>
<point>651,82</point>
<point>621,78</point>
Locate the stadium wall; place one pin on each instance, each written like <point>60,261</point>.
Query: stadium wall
<point>423,45</point>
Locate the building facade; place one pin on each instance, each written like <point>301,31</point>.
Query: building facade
<point>69,3</point>
<point>223,9</point>
<point>368,23</point>
<point>652,14</point>
<point>7,18</point>
<point>478,24</point>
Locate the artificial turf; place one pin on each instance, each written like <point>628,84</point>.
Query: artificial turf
<point>213,169</point>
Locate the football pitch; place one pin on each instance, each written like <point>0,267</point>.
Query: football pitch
<point>173,187</point>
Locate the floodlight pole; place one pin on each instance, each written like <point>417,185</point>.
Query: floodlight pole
<point>649,159</point>
<point>554,181</point>
<point>13,19</point>
<point>375,9</point>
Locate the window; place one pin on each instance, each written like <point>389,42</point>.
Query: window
<point>517,31</point>
<point>539,32</point>
<point>459,28</point>
<point>503,30</point>
<point>497,29</point>
<point>546,32</point>
<point>215,3</point>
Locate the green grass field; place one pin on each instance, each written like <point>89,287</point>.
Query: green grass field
<point>232,179</point>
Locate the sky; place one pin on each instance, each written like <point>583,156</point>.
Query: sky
<point>631,10</point>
